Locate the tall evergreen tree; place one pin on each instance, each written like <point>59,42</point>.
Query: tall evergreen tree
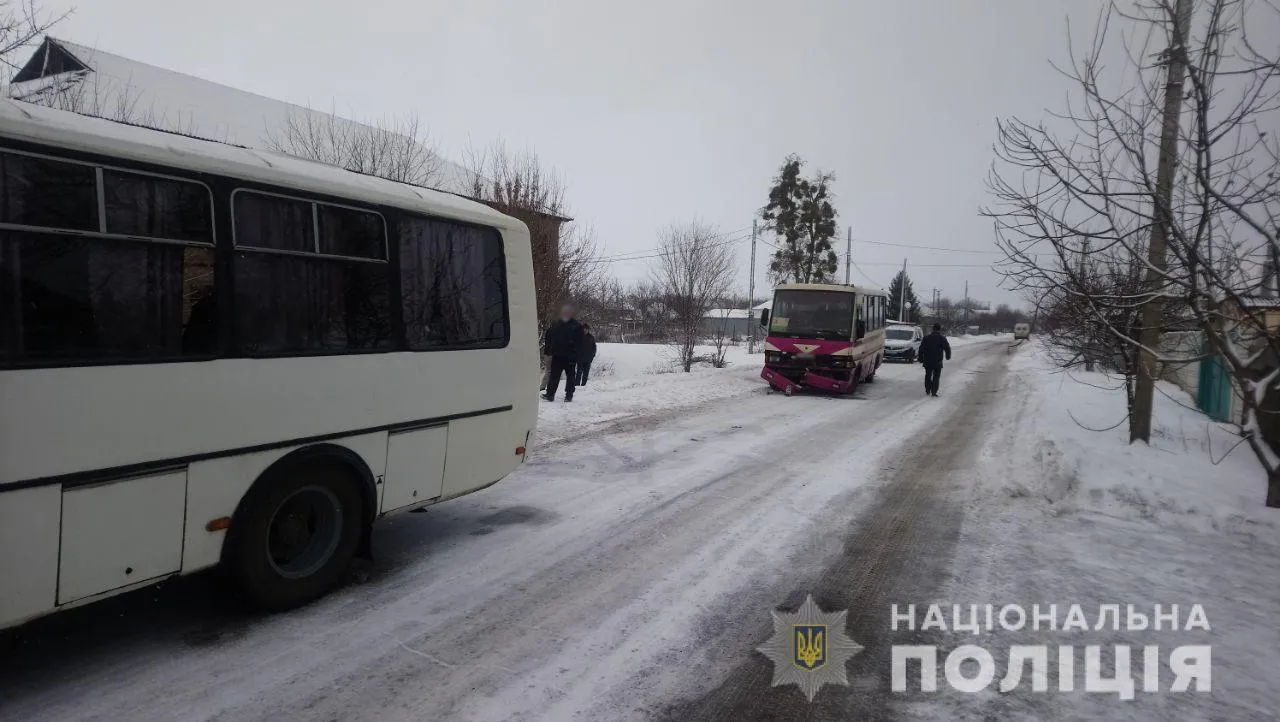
<point>901,284</point>
<point>801,215</point>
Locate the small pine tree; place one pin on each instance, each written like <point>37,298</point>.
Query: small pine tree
<point>902,283</point>
<point>801,215</point>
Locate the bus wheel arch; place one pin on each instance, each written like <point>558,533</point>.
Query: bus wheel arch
<point>298,526</point>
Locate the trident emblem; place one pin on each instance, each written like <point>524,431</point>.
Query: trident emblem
<point>811,645</point>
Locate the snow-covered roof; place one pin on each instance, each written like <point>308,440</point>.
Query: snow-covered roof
<point>727,313</point>
<point>1259,302</point>
<point>60,128</point>
<point>176,101</point>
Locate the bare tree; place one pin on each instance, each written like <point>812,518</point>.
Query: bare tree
<point>1108,184</point>
<point>566,257</point>
<point>652,313</point>
<point>721,339</point>
<point>21,24</point>
<point>949,314</point>
<point>395,149</point>
<point>694,269</point>
<point>602,303</point>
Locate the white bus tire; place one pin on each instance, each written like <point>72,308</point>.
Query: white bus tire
<point>295,533</point>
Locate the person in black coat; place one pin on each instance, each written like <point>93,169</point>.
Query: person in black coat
<point>563,343</point>
<point>586,354</point>
<point>932,349</point>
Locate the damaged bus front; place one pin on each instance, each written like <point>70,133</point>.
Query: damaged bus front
<point>823,336</point>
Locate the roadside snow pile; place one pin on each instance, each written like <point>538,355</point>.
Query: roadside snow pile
<point>1059,514</point>
<point>1181,477</point>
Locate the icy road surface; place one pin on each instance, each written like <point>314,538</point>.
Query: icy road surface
<point>627,571</point>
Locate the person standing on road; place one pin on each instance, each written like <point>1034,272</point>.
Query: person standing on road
<point>932,349</point>
<point>586,354</point>
<point>563,343</point>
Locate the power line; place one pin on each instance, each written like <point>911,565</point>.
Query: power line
<point>927,248</point>
<point>935,265</point>
<point>657,252</point>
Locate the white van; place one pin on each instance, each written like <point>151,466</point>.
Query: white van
<point>902,342</point>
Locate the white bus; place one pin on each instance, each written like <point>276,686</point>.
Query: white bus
<point>215,355</point>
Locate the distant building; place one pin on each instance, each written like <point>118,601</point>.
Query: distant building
<point>732,323</point>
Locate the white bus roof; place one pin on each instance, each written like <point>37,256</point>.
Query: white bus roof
<point>64,129</point>
<point>831,287</point>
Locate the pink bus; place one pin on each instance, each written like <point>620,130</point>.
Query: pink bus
<point>823,336</point>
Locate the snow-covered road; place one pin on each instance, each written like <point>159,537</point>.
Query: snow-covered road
<point>626,572</point>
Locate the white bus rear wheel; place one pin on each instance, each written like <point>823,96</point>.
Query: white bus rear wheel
<point>295,535</point>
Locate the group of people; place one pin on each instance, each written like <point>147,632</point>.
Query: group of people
<point>570,348</point>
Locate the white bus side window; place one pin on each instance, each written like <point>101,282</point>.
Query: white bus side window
<point>139,205</point>
<point>44,193</point>
<point>301,289</point>
<point>453,285</point>
<point>124,287</point>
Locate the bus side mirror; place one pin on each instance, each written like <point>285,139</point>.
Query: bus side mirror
<point>861,328</point>
<point>764,317</point>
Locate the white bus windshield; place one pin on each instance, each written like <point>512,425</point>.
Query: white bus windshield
<point>812,314</point>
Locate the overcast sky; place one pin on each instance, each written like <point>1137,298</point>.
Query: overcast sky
<point>666,110</point>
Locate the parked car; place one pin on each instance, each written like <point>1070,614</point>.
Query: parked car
<point>1022,330</point>
<point>902,342</point>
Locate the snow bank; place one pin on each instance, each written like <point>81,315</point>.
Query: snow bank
<point>1062,514</point>
<point>1182,474</point>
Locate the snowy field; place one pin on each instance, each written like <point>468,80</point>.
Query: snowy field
<point>628,570</point>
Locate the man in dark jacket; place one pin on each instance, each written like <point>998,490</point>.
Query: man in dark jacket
<point>586,354</point>
<point>563,343</point>
<point>932,349</point>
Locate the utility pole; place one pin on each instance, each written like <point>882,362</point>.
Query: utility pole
<point>751,295</point>
<point>966,307</point>
<point>902,293</point>
<point>1153,308</point>
<point>848,254</point>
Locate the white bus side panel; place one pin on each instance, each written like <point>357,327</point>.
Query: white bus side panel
<point>119,533</point>
<point>472,460</point>
<point>139,413</point>
<point>415,467</point>
<point>28,552</point>
<point>215,487</point>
